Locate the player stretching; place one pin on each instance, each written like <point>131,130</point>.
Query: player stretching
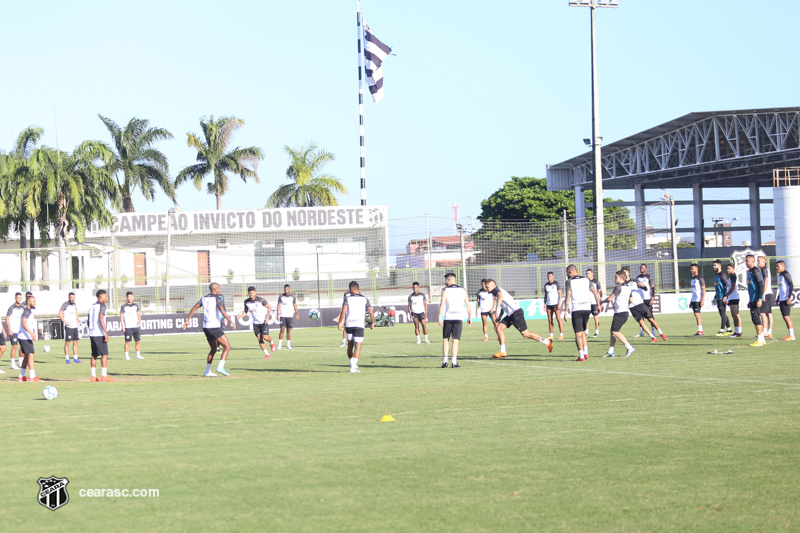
<point>213,313</point>
<point>453,309</point>
<point>578,301</point>
<point>27,334</point>
<point>13,318</point>
<point>352,316</point>
<point>552,301</point>
<point>515,316</point>
<point>485,302</point>
<point>98,336</point>
<point>647,290</point>
<point>755,290</point>
<point>720,291</point>
<point>595,308</point>
<point>698,296</point>
<point>131,319</point>
<point>768,297</point>
<point>286,302</point>
<point>731,298</point>
<point>259,310</point>
<point>69,321</point>
<point>418,310</point>
<point>639,309</point>
<point>621,296</point>
<point>785,292</point>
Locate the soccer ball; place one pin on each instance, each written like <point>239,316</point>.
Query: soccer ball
<point>49,393</point>
<point>46,349</point>
<point>313,314</point>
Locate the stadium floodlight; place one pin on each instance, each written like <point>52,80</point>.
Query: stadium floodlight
<point>597,140</point>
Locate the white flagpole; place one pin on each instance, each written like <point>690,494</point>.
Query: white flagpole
<point>361,108</point>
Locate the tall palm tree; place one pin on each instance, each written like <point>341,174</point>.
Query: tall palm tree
<point>142,166</point>
<point>214,158</point>
<point>308,187</point>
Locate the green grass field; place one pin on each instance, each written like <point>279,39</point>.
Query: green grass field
<point>669,439</point>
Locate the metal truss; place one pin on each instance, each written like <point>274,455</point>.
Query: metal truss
<point>717,149</point>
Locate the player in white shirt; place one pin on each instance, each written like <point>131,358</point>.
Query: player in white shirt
<point>286,303</point>
<point>69,320</point>
<point>698,296</point>
<point>13,318</point>
<point>418,311</point>
<point>453,309</point>
<point>552,302</point>
<point>515,316</point>
<point>621,296</point>
<point>485,303</point>
<point>98,336</point>
<point>785,297</point>
<point>352,317</point>
<point>213,313</point>
<point>259,310</point>
<point>131,318</point>
<point>578,301</point>
<point>640,310</point>
<point>27,334</point>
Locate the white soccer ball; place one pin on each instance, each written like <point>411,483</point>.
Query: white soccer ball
<point>46,349</point>
<point>313,314</point>
<point>49,393</point>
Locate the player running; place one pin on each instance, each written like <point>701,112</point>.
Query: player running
<point>27,334</point>
<point>578,302</point>
<point>621,296</point>
<point>353,317</point>
<point>131,319</point>
<point>515,316</point>
<point>755,290</point>
<point>213,313</point>
<point>453,308</point>
<point>595,308</point>
<point>485,302</point>
<point>639,310</point>
<point>785,292</point>
<point>69,322</point>
<point>286,302</point>
<point>731,298</point>
<point>418,310</point>
<point>698,296</point>
<point>720,291</point>
<point>259,310</point>
<point>552,301</point>
<point>766,305</point>
<point>647,290</point>
<point>98,336</point>
<point>13,318</point>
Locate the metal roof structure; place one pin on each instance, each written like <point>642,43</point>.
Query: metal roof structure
<point>715,149</point>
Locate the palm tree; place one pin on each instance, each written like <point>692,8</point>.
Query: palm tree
<point>141,165</point>
<point>214,158</point>
<point>309,187</point>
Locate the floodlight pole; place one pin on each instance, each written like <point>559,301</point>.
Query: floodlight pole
<point>597,140</point>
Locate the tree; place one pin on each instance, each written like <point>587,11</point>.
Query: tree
<point>308,187</point>
<point>214,157</point>
<point>142,166</point>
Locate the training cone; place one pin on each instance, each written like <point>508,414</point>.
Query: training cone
<point>387,418</point>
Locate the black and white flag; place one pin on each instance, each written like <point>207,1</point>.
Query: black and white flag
<point>374,54</point>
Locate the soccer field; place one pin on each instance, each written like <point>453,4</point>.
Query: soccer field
<point>671,438</point>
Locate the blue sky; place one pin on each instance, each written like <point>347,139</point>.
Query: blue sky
<point>477,91</point>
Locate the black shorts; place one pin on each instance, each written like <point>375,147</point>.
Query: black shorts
<point>213,334</point>
<point>755,313</point>
<point>721,305</point>
<point>133,333</point>
<point>618,321</point>
<point>418,316</point>
<point>731,303</point>
<point>487,313</point>
<point>14,339</point>
<point>580,319</point>
<point>786,309</point>
<point>26,347</point>
<point>286,322</point>
<point>641,312</point>
<point>99,346</point>
<point>594,310</point>
<point>70,334</point>
<point>516,319</point>
<point>696,306</point>
<point>2,340</point>
<point>452,328</point>
<point>355,334</point>
<point>766,305</point>
<point>261,329</point>
<point>552,308</point>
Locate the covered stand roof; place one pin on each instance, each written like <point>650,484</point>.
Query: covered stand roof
<point>717,149</point>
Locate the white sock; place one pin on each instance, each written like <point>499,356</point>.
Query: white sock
<point>127,355</point>
<point>769,331</point>
<point>426,337</point>
<point>700,328</point>
<point>208,368</point>
<point>353,362</point>
<point>94,372</point>
<point>280,343</point>
<point>221,364</point>
<point>266,351</point>
<point>445,359</point>
<point>33,373</point>
<point>138,353</point>
<point>503,348</point>
<point>761,338</point>
<point>454,360</point>
<point>660,332</point>
<point>67,356</point>
<point>22,372</point>
<point>288,344</point>
<point>628,347</point>
<point>418,339</point>
<point>545,341</point>
<point>597,332</point>
<point>791,332</point>
<point>738,329</point>
<point>485,336</point>
<point>20,361</point>
<point>652,335</point>
<point>104,372</point>
<point>610,349</point>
